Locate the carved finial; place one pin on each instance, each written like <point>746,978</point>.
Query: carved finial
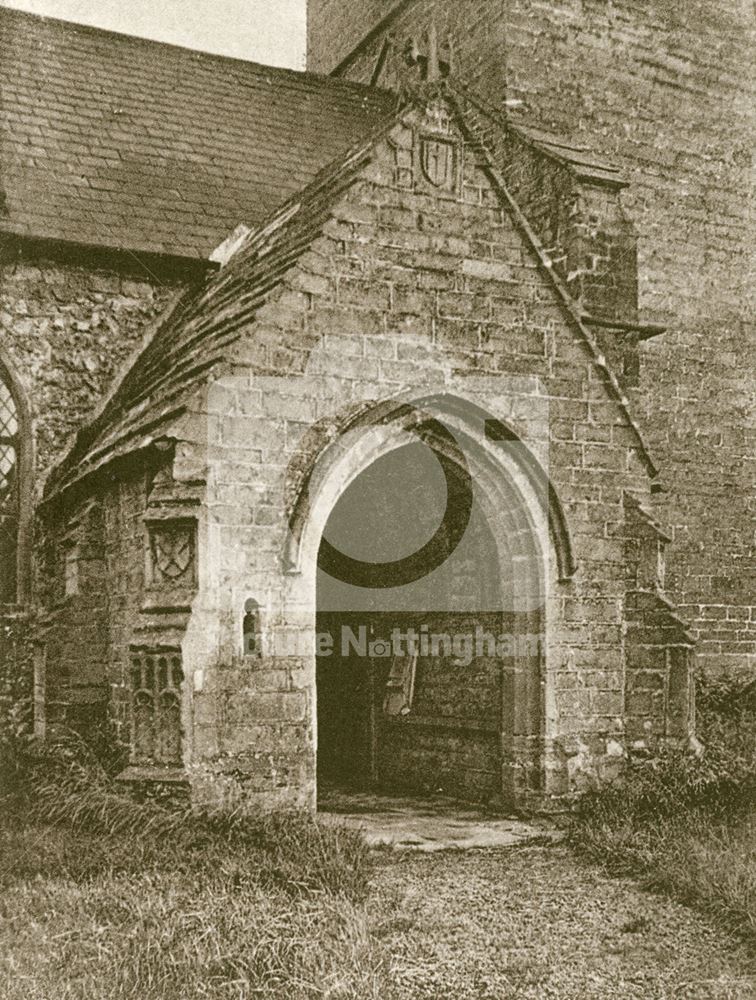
<point>433,70</point>
<point>433,60</point>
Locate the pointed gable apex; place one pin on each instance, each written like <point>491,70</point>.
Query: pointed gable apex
<point>198,338</point>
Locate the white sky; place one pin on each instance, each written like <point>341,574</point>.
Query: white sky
<point>267,31</point>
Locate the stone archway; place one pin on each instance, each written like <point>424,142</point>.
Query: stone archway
<point>473,729</point>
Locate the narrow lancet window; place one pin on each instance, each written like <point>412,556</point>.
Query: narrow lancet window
<point>251,628</point>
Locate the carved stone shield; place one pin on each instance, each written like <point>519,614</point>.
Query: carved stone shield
<point>438,161</point>
<point>172,552</point>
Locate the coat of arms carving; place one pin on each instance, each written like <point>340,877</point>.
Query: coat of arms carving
<point>172,552</point>
<point>438,162</point>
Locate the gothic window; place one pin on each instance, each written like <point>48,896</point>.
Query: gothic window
<point>156,708</point>
<point>10,497</point>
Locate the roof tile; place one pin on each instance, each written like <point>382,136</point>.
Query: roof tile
<point>144,145</point>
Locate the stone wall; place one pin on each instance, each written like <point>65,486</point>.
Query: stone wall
<point>119,579</point>
<point>406,288</point>
<point>66,330</point>
<point>16,677</point>
<point>409,287</point>
<point>665,91</point>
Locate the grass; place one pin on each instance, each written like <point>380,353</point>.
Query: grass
<point>536,924</point>
<point>702,861</point>
<point>686,824</point>
<point>165,932</point>
<point>100,897</point>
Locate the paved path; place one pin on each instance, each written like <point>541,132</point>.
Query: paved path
<point>430,824</point>
<point>533,923</point>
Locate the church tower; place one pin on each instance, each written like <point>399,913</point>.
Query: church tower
<point>661,89</point>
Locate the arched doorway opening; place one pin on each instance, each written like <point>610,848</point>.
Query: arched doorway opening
<point>427,682</point>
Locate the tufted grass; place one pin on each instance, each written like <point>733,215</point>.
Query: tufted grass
<point>686,824</point>
<point>104,897</point>
<point>704,862</point>
<point>210,913</point>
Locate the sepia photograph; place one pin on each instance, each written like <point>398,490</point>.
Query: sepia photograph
<point>377,500</point>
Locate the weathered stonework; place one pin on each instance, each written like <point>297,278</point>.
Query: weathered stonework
<point>659,88</point>
<point>460,260</point>
<point>397,288</point>
<point>65,331</point>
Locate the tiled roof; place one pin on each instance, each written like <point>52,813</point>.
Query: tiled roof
<point>120,142</point>
<point>578,158</point>
<point>197,337</point>
<point>581,160</point>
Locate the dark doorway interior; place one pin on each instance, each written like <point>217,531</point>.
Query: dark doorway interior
<point>345,711</point>
<point>398,719</point>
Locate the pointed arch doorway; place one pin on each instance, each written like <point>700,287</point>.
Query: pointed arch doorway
<point>421,685</point>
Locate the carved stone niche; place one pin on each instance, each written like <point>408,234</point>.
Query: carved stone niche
<point>171,555</point>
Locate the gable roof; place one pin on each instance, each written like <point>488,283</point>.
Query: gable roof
<point>124,143</point>
<point>197,336</point>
